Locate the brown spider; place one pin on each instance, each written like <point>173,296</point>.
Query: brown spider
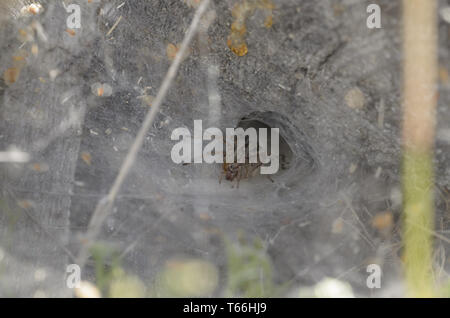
<point>238,171</point>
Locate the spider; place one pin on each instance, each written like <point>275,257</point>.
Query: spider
<point>238,171</point>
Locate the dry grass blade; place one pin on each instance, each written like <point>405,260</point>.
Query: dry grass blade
<point>104,205</point>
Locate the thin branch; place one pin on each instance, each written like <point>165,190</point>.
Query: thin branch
<point>104,205</point>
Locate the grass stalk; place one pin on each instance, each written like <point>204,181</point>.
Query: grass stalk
<point>419,106</point>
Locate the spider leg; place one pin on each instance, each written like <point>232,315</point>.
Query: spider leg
<point>246,171</point>
<point>256,167</point>
<point>238,177</point>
